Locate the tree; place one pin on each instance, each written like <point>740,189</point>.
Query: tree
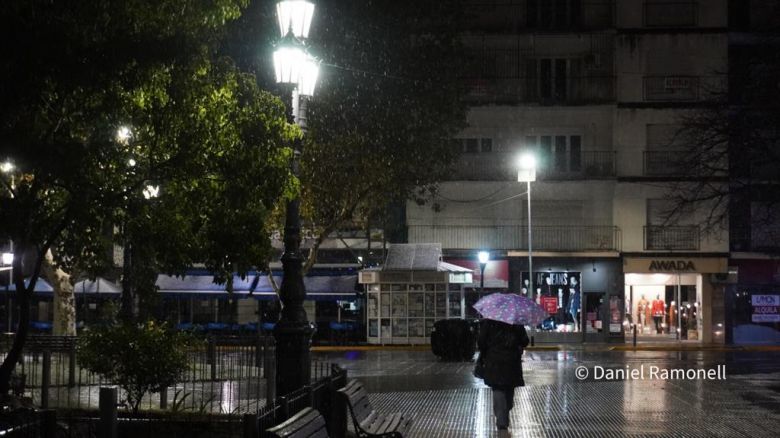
<point>733,149</point>
<point>385,108</point>
<point>140,359</point>
<point>389,102</point>
<point>72,77</point>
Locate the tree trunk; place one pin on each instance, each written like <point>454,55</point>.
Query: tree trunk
<point>23,301</point>
<point>64,301</point>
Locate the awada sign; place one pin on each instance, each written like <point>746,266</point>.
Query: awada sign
<point>672,266</point>
<point>675,264</point>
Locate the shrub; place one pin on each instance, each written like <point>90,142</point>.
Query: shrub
<point>140,359</point>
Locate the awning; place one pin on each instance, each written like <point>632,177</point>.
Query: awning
<point>335,285</point>
<point>99,286</point>
<point>41,286</point>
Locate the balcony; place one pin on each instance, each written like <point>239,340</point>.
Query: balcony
<point>507,91</point>
<point>501,166</point>
<point>670,14</point>
<point>666,164</point>
<point>515,237</point>
<point>759,238</point>
<point>502,16</point>
<point>671,88</point>
<point>675,238</point>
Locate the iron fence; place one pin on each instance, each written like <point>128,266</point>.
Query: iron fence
<point>226,375</point>
<point>515,237</point>
<point>685,237</point>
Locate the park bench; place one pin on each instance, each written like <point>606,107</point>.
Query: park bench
<point>367,421</point>
<point>308,423</point>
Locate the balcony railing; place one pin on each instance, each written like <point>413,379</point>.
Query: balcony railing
<point>515,237</point>
<point>578,91</point>
<point>763,238</point>
<point>504,16</point>
<point>661,238</point>
<point>667,163</point>
<point>671,88</point>
<point>502,166</point>
<point>671,14</point>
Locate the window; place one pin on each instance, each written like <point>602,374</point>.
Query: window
<point>557,153</point>
<point>550,79</point>
<point>670,14</point>
<point>473,145</point>
<point>553,14</point>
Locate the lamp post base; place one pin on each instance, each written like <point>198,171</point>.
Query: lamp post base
<point>293,355</point>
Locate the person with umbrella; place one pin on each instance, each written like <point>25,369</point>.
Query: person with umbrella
<point>502,338</point>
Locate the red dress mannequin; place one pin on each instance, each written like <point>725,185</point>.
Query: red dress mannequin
<point>658,313</point>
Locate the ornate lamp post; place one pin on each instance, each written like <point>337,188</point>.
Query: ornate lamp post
<point>296,69</point>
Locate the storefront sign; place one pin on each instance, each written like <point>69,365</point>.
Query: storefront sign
<point>496,272</point>
<point>766,308</point>
<point>549,304</point>
<point>654,265</point>
<point>672,265</point>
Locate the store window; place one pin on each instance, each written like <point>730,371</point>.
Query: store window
<point>560,294</point>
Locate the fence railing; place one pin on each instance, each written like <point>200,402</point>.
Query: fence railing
<point>515,237</point>
<point>671,88</point>
<point>502,15</point>
<point>226,375</point>
<point>667,163</point>
<point>320,395</point>
<point>502,166</point>
<point>572,91</point>
<point>684,237</point>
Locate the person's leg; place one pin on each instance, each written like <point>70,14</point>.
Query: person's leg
<point>500,408</point>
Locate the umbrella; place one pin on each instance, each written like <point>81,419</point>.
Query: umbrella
<point>511,309</point>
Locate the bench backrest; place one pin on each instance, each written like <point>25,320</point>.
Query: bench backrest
<point>358,400</point>
<point>308,423</point>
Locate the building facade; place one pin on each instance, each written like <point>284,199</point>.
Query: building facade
<point>596,90</point>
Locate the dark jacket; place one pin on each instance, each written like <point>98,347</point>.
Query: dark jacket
<point>500,353</point>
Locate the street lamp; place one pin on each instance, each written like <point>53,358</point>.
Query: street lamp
<point>527,172</point>
<point>6,166</point>
<point>298,70</point>
<point>483,257</point>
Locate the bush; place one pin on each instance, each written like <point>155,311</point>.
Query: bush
<point>140,359</point>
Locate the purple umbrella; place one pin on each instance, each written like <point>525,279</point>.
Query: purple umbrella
<point>511,309</point>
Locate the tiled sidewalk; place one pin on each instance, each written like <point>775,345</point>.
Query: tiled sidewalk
<point>447,401</point>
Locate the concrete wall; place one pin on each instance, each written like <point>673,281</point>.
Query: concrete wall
<point>710,13</point>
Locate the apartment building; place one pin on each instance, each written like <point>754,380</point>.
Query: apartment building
<point>596,90</point>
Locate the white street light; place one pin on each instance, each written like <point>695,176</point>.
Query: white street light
<point>483,257</point>
<point>131,162</point>
<point>6,166</point>
<point>527,172</point>
<point>151,191</point>
<point>123,134</point>
<point>289,60</point>
<point>8,258</point>
<point>309,72</point>
<point>295,16</point>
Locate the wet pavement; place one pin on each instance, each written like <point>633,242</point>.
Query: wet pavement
<point>625,393</point>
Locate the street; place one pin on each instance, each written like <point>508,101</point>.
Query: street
<point>445,400</point>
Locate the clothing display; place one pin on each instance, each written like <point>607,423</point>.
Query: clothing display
<point>641,310</point>
<point>658,314</point>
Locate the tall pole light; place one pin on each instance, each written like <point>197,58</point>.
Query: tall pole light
<point>298,71</point>
<point>8,257</point>
<point>483,257</point>
<point>527,173</point>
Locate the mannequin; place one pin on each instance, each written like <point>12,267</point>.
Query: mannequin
<point>658,313</point>
<point>641,311</point>
<point>574,302</point>
<point>524,289</point>
<point>560,314</point>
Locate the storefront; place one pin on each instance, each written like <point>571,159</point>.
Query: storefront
<point>412,291</point>
<point>752,302</point>
<point>582,296</point>
<point>672,298</point>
